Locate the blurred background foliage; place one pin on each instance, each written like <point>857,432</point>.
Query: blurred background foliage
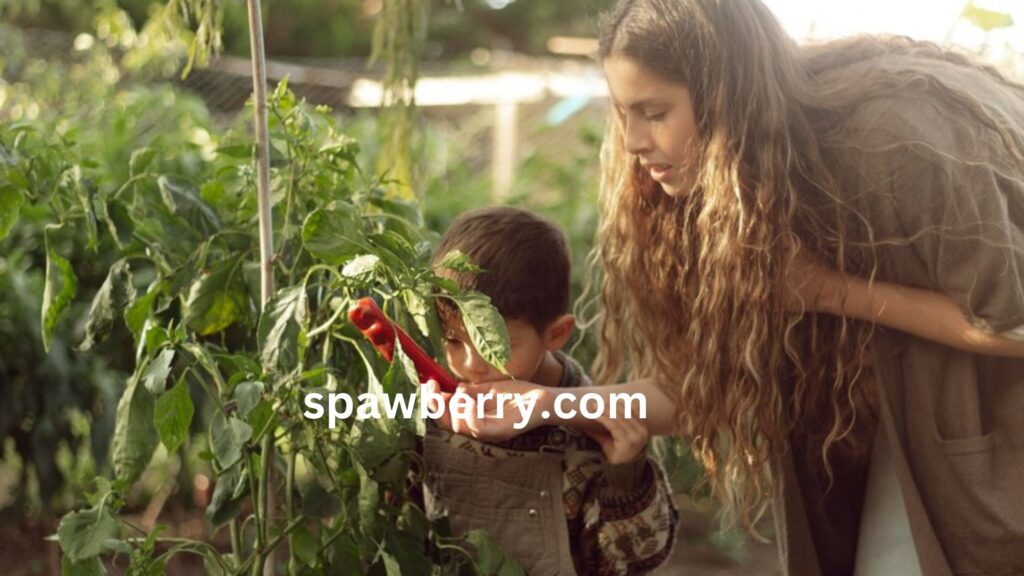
<point>343,28</point>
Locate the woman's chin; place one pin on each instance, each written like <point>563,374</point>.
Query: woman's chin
<point>671,190</point>
<point>677,189</point>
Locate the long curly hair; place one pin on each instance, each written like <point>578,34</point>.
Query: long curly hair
<point>691,287</point>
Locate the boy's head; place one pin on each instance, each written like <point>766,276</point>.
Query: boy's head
<point>526,274</point>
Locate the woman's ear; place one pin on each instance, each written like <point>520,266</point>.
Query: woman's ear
<point>558,332</point>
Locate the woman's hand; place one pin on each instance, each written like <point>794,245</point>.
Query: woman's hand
<point>621,439</point>
<point>497,411</point>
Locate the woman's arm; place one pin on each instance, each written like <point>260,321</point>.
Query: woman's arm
<point>660,411</point>
<point>924,313</point>
<point>930,315</point>
<point>504,417</point>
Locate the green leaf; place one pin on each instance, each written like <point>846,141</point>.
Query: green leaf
<point>317,502</point>
<point>408,211</point>
<point>397,251</point>
<point>84,190</point>
<point>247,396</point>
<point>228,492</point>
<point>414,522</point>
<point>154,378</point>
<point>170,238</point>
<point>140,161</point>
<point>344,148</point>
<point>490,558</point>
<point>11,201</point>
<point>238,151</point>
<point>153,338</point>
<point>136,314</point>
<point>7,157</point>
<point>391,564</point>
<point>281,327</point>
<point>423,314</point>
<point>407,553</point>
<point>485,326</point>
<point>306,546</point>
<point>344,557</point>
<point>112,297</point>
<point>334,235</point>
<point>373,441</point>
<point>368,502</point>
<point>117,546</point>
<point>402,379</point>
<point>361,267</point>
<point>446,285</point>
<point>260,419</point>
<point>217,299</point>
<point>227,438</point>
<point>61,287</point>
<point>82,534</point>
<point>135,436</point>
<point>90,567</point>
<point>173,415</point>
<point>183,199</point>
<point>459,262</point>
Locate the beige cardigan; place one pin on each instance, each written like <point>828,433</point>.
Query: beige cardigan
<point>946,214</point>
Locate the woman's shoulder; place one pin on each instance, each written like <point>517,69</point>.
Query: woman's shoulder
<point>885,87</point>
<point>932,123</point>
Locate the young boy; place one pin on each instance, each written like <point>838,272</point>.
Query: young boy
<point>550,498</point>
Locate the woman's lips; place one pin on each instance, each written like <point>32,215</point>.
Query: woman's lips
<point>659,172</point>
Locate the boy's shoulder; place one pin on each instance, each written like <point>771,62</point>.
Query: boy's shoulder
<point>573,374</point>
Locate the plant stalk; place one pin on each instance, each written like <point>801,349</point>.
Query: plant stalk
<point>262,131</point>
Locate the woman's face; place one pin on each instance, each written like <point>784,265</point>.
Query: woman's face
<point>657,121</point>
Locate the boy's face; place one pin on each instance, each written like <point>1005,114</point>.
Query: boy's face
<point>528,351</point>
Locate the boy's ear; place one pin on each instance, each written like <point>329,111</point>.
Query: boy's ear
<point>559,331</point>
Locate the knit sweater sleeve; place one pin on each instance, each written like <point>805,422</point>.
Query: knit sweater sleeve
<point>628,519</point>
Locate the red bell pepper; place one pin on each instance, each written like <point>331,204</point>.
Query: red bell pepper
<point>381,331</point>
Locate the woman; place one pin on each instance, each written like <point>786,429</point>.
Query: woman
<point>803,248</point>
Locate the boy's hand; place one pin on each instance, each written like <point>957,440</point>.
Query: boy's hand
<point>436,401</point>
<point>516,417</point>
<point>621,439</point>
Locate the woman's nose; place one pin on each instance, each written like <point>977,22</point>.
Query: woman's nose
<point>638,139</point>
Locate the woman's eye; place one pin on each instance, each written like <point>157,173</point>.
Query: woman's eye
<point>655,117</point>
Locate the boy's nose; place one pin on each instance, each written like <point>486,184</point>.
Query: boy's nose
<point>475,365</point>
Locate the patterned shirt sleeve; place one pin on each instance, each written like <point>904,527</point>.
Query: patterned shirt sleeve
<point>628,519</point>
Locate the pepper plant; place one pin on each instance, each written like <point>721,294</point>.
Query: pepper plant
<point>183,289</point>
<point>184,285</point>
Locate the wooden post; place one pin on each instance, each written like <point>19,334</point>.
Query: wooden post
<point>503,152</point>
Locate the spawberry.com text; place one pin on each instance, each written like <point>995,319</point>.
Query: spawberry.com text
<point>341,405</point>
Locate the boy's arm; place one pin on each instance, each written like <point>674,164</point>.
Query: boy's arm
<point>629,520</point>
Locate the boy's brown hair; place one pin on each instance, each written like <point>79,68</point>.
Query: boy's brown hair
<point>525,259</point>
